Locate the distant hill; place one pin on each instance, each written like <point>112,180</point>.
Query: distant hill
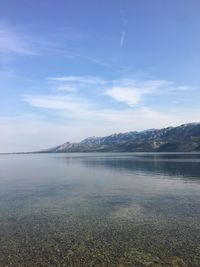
<point>184,138</point>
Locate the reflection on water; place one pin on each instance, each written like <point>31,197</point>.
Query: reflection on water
<point>100,209</point>
<point>180,165</point>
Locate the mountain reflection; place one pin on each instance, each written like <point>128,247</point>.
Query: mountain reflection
<point>185,166</point>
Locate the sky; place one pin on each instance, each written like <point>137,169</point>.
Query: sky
<point>73,69</point>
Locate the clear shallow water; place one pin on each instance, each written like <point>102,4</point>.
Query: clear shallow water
<point>100,209</point>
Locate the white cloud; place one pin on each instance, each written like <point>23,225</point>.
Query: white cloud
<point>127,95</point>
<point>132,92</point>
<point>128,91</point>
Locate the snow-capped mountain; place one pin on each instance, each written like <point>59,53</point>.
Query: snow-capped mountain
<point>172,139</point>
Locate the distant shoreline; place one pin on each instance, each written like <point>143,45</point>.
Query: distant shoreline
<point>181,139</point>
<point>107,152</point>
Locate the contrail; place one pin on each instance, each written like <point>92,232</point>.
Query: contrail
<point>122,38</point>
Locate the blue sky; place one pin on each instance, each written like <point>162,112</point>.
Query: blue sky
<point>73,69</point>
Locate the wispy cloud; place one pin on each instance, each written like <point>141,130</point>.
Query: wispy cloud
<point>14,42</point>
<point>83,110</point>
<point>123,33</point>
<point>63,87</point>
<point>99,62</point>
<point>85,106</point>
<point>127,95</point>
<point>78,79</point>
<point>82,56</point>
<point>127,90</point>
<point>72,84</point>
<point>58,102</point>
<point>132,92</point>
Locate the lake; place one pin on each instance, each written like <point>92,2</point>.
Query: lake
<point>100,209</point>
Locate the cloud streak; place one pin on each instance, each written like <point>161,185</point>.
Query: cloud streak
<point>13,42</point>
<point>82,56</point>
<point>123,32</point>
<point>71,106</point>
<point>91,80</point>
<point>17,42</point>
<point>122,39</point>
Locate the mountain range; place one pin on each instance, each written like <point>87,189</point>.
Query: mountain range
<point>184,138</point>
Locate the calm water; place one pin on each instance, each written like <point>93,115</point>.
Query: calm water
<point>100,210</point>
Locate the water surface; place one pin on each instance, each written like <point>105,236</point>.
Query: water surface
<point>100,209</point>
